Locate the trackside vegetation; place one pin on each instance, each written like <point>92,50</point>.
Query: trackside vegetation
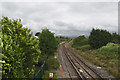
<point>20,50</point>
<point>48,43</point>
<point>48,46</point>
<point>99,38</point>
<point>110,58</point>
<point>1,44</point>
<point>81,43</point>
<point>101,48</point>
<point>62,39</point>
<point>23,54</point>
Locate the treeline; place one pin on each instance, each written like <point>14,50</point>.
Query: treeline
<point>81,43</point>
<point>21,51</point>
<point>48,44</point>
<point>62,38</point>
<point>96,39</point>
<point>101,48</point>
<point>99,38</point>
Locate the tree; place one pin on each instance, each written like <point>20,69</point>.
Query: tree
<point>48,43</point>
<point>62,38</point>
<point>119,39</point>
<point>99,38</point>
<point>37,33</point>
<point>115,38</point>
<point>20,49</point>
<point>80,41</point>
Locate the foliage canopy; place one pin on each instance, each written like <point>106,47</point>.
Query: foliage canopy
<point>48,43</point>
<point>20,49</point>
<point>99,38</point>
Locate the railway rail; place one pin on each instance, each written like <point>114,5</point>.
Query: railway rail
<point>84,71</point>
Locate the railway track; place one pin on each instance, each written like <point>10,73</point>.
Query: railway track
<point>69,68</point>
<point>84,71</point>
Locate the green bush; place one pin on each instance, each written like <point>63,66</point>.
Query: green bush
<point>48,43</point>
<point>52,63</point>
<point>115,38</point>
<point>41,59</point>
<point>20,49</point>
<point>99,38</point>
<point>62,38</point>
<point>84,47</point>
<point>1,54</point>
<point>110,50</point>
<point>80,41</point>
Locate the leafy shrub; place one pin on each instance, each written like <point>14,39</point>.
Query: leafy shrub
<point>48,43</point>
<point>108,56</point>
<point>62,38</point>
<point>84,47</point>
<point>110,50</point>
<point>52,63</point>
<point>80,41</point>
<point>1,54</point>
<point>41,59</point>
<point>99,38</point>
<point>115,38</point>
<point>20,49</point>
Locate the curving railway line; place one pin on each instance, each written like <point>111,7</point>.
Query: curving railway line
<point>83,71</point>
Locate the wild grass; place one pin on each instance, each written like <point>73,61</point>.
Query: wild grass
<point>51,66</point>
<point>106,56</point>
<point>52,63</point>
<point>84,47</point>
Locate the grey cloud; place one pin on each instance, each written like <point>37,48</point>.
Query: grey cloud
<point>71,32</point>
<point>63,24</point>
<point>65,18</point>
<point>119,17</point>
<point>96,7</point>
<point>58,23</point>
<point>9,6</point>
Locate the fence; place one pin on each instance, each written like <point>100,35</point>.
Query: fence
<point>39,74</point>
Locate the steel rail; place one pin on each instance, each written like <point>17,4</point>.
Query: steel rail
<point>72,53</point>
<point>79,73</point>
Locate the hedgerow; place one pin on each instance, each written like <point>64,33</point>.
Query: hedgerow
<point>20,49</point>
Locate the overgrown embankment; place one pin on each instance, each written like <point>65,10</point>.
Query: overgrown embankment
<point>101,48</point>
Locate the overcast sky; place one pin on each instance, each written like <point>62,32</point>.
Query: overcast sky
<point>64,18</point>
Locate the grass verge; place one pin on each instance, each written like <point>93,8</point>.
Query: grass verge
<point>100,57</point>
<point>51,66</point>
